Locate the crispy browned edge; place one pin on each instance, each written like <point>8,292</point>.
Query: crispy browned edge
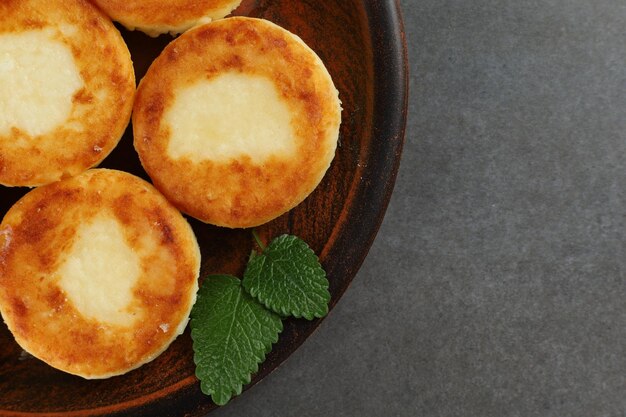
<point>42,225</point>
<point>154,13</point>
<point>239,192</point>
<point>104,62</point>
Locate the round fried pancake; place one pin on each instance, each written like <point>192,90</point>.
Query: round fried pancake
<point>155,17</point>
<point>98,273</point>
<point>66,89</point>
<point>236,122</point>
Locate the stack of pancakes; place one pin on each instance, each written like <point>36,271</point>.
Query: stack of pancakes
<point>236,122</point>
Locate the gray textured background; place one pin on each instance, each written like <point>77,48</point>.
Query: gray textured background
<point>497,283</point>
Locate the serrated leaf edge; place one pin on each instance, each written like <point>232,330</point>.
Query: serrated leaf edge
<point>284,312</point>
<point>243,379</point>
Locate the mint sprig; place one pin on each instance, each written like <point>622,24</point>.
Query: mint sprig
<point>231,335</point>
<point>235,323</point>
<point>288,279</point>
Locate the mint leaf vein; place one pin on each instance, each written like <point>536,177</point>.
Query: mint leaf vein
<point>231,335</point>
<point>288,279</point>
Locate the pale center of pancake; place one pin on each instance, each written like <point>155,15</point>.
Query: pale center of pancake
<point>38,78</point>
<point>100,272</point>
<point>229,116</point>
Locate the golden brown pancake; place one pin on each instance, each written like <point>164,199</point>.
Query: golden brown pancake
<point>66,89</point>
<point>98,273</point>
<point>236,122</point>
<point>155,17</point>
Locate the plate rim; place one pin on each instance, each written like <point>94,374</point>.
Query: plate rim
<point>389,116</point>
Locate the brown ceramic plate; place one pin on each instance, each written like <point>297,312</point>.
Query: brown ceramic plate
<point>362,43</point>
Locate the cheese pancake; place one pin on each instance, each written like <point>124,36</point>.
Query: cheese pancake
<point>236,122</point>
<point>155,17</point>
<point>66,89</point>
<point>98,273</point>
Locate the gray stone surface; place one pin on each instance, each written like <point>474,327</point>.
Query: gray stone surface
<point>497,284</point>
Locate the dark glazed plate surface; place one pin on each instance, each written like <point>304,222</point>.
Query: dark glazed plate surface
<point>362,44</point>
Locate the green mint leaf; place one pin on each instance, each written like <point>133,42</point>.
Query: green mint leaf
<point>287,278</point>
<point>231,335</point>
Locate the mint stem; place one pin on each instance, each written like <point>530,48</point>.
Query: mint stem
<point>258,239</point>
